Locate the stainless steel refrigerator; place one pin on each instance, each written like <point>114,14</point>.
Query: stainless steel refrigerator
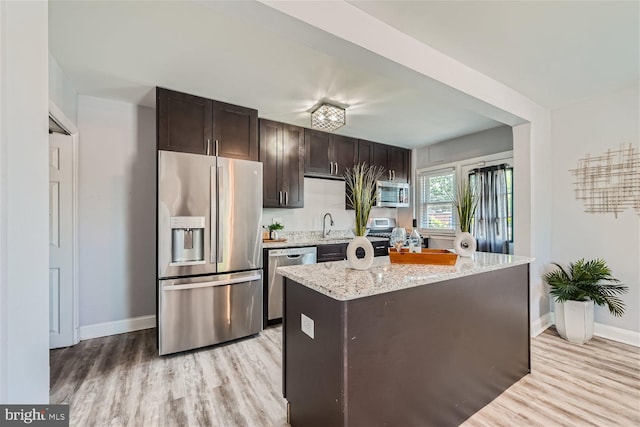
<point>209,250</point>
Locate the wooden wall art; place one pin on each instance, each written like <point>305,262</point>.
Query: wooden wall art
<point>609,183</point>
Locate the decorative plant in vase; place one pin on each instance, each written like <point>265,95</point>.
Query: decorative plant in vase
<point>577,290</point>
<point>360,182</point>
<point>273,230</point>
<point>465,201</point>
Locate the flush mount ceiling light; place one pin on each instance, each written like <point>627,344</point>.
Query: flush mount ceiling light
<point>328,117</point>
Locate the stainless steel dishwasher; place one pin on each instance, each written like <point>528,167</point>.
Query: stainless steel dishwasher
<point>281,258</point>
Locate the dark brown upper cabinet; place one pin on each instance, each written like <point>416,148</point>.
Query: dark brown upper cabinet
<point>183,122</point>
<point>328,155</point>
<point>236,131</point>
<point>282,156</point>
<point>365,152</point>
<point>193,124</point>
<point>399,163</point>
<point>394,160</point>
<point>345,153</point>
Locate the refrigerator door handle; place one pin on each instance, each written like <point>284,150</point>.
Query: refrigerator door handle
<point>213,222</point>
<point>211,284</point>
<point>219,246</point>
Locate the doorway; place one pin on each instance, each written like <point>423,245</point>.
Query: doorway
<point>63,318</point>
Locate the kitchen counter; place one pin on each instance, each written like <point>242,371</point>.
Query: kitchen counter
<point>314,238</point>
<point>339,281</point>
<point>398,344</point>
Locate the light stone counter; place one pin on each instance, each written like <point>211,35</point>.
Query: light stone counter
<point>314,238</point>
<point>340,282</point>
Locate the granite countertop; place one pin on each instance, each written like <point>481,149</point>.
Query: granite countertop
<point>339,281</point>
<point>314,238</point>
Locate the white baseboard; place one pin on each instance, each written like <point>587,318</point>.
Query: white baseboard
<point>612,333</point>
<point>617,334</point>
<point>538,326</point>
<point>117,327</point>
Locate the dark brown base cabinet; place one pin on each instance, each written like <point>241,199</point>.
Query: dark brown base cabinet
<point>332,252</point>
<point>338,251</point>
<point>282,157</point>
<point>193,124</point>
<point>431,355</point>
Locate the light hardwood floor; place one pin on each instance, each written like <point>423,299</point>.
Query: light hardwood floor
<point>120,380</point>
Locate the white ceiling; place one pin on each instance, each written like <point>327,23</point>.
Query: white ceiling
<point>554,52</point>
<point>249,54</point>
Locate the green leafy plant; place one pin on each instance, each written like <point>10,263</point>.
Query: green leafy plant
<point>360,182</point>
<point>466,201</point>
<point>275,226</point>
<point>587,280</point>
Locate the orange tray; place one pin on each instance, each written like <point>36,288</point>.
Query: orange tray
<point>274,240</point>
<point>427,256</point>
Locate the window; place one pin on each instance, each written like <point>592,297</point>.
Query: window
<point>435,189</point>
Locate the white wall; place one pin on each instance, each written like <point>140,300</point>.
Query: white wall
<point>24,232</point>
<point>593,127</point>
<point>491,141</point>
<point>61,92</point>
<point>116,209</point>
<point>320,196</point>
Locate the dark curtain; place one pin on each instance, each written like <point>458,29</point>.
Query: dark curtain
<point>491,219</point>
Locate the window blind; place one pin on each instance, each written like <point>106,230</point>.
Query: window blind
<point>435,192</point>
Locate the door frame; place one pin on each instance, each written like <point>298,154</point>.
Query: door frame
<point>65,123</point>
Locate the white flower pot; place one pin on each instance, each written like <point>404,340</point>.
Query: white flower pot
<point>464,244</point>
<point>354,261</point>
<point>574,320</point>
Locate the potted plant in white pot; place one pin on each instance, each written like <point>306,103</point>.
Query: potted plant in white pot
<point>360,182</point>
<point>577,290</point>
<point>273,230</point>
<point>465,201</point>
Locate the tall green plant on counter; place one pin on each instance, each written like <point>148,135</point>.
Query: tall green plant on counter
<point>360,182</point>
<point>466,201</point>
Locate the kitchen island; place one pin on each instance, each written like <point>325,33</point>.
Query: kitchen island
<point>406,345</point>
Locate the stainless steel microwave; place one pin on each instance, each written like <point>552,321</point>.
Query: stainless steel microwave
<point>392,194</point>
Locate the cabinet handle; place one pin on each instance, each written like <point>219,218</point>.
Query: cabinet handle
<point>280,198</point>
<point>389,172</point>
<point>286,198</point>
<point>336,168</point>
<point>217,148</point>
<point>330,168</point>
<point>208,146</point>
<point>393,173</point>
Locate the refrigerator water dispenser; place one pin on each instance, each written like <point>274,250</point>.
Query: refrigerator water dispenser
<point>187,240</point>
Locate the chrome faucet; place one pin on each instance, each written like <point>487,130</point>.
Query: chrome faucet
<point>324,220</point>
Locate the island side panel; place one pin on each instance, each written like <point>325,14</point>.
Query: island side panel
<point>436,354</point>
<point>313,368</point>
